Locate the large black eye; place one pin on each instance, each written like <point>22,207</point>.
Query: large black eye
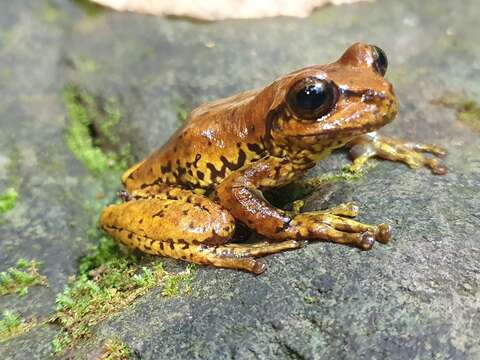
<point>380,61</point>
<point>311,98</point>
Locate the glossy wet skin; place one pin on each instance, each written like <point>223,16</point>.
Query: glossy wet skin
<point>233,149</point>
<point>222,136</point>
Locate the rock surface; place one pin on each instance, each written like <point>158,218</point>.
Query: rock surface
<point>417,297</point>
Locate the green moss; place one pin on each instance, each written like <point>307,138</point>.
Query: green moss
<point>89,7</point>
<point>114,349</point>
<point>11,324</point>
<point>8,199</point>
<point>468,110</point>
<point>90,134</point>
<point>51,12</point>
<point>85,64</point>
<point>178,284</point>
<point>286,196</point>
<point>346,174</point>
<point>182,113</point>
<point>17,280</point>
<point>108,281</point>
<point>310,299</point>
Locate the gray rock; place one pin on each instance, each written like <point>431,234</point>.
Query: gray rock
<point>414,298</point>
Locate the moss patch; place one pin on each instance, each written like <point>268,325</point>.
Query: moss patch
<point>90,8</point>
<point>346,174</point>
<point>182,113</point>
<point>90,134</point>
<point>8,199</point>
<point>108,281</point>
<point>12,324</point>
<point>468,110</point>
<point>288,195</point>
<point>51,12</point>
<point>114,349</point>
<point>84,64</point>
<point>17,280</point>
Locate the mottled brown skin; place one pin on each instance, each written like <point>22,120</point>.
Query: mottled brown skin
<point>184,199</point>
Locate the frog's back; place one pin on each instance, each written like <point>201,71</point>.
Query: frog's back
<point>219,137</point>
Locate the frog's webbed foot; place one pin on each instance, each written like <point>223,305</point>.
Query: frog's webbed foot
<point>336,226</point>
<point>372,144</point>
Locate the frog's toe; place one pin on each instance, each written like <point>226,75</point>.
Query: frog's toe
<point>436,167</point>
<point>383,233</point>
<point>259,267</point>
<point>367,239</point>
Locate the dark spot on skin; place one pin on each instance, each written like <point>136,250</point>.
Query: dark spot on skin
<point>190,172</point>
<point>140,221</point>
<point>184,257</point>
<point>191,225</point>
<point>167,168</point>
<point>232,165</point>
<point>174,149</point>
<point>178,162</point>
<point>209,143</point>
<point>239,145</point>
<point>130,236</point>
<point>161,246</point>
<point>184,212</point>
<point>197,158</point>
<point>181,171</point>
<point>172,245</point>
<point>256,148</point>
<point>200,175</point>
<point>160,214</point>
<point>214,173</point>
<point>146,247</point>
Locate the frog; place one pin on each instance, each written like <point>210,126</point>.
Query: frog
<point>186,199</point>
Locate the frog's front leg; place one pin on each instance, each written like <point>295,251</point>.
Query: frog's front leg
<point>372,144</point>
<point>241,194</point>
<point>177,223</point>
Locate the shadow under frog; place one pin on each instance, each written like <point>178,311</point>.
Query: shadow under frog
<point>184,199</point>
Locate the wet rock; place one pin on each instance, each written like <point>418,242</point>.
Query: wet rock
<point>416,297</point>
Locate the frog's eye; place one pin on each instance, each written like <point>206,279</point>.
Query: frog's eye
<point>380,61</point>
<point>312,98</point>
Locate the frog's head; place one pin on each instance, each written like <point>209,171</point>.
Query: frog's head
<point>322,107</point>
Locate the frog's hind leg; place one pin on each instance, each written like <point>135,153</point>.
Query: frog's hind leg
<point>372,144</point>
<point>233,256</point>
<point>185,226</point>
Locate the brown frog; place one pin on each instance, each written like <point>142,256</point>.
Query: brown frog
<point>183,200</point>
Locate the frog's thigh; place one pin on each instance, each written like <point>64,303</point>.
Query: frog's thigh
<point>168,220</point>
<point>185,231</point>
